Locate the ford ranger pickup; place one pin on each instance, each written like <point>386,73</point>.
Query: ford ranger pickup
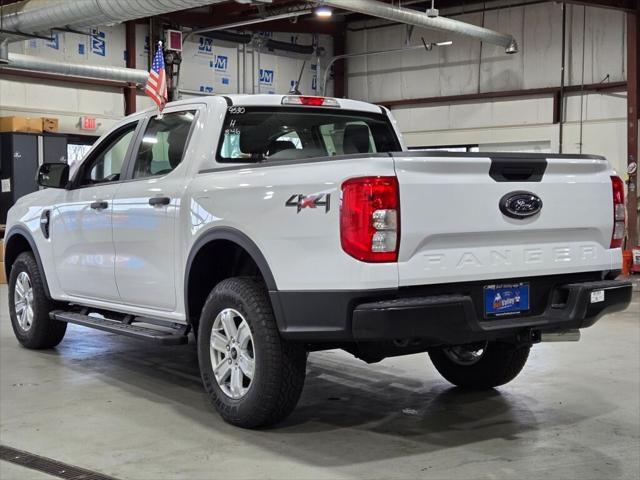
<point>270,226</point>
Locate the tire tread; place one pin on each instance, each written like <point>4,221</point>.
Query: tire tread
<point>45,332</point>
<point>280,392</point>
<point>500,364</point>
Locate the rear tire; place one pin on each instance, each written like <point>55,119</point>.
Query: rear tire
<point>29,306</point>
<point>498,364</point>
<point>259,376</point>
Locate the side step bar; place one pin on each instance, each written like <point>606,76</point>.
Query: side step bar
<point>162,337</point>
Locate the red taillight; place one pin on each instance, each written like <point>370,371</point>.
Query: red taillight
<point>619,213</point>
<point>370,218</point>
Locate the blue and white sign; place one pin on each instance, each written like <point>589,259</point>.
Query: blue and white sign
<point>221,63</point>
<point>54,42</point>
<point>98,42</point>
<point>206,88</point>
<point>205,46</point>
<point>266,77</point>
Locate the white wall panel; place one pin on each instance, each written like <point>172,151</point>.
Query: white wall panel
<point>454,70</point>
<point>65,101</point>
<point>522,124</point>
<point>540,45</point>
<point>500,71</point>
<point>208,65</point>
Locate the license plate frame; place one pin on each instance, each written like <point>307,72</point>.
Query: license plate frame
<point>506,299</point>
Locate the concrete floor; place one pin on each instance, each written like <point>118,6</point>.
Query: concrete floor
<point>136,411</point>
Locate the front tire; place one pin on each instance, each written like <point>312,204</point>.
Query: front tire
<point>253,377</point>
<point>29,306</point>
<point>480,366</point>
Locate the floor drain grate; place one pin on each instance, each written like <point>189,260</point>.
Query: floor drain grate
<point>46,465</point>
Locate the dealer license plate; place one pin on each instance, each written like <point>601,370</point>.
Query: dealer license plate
<point>506,299</point>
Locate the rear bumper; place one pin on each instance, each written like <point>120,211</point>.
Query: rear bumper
<point>440,315</point>
<point>453,319</point>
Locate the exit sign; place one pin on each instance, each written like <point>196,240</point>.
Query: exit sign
<point>88,123</point>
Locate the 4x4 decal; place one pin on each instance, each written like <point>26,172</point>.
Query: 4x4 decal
<point>310,201</point>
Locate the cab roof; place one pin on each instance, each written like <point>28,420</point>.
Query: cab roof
<point>267,100</point>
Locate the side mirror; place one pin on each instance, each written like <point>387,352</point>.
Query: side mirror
<point>53,175</point>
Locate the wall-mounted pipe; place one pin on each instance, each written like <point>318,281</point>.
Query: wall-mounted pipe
<point>267,43</point>
<point>270,44</point>
<point>27,62</point>
<point>249,21</point>
<point>414,17</point>
<point>231,37</point>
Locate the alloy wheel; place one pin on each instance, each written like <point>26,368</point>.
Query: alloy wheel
<point>23,301</point>
<point>232,353</point>
<point>466,354</point>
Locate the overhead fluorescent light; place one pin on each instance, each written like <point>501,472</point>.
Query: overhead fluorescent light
<point>323,11</point>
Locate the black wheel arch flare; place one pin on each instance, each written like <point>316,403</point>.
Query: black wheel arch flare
<point>242,240</point>
<point>21,231</point>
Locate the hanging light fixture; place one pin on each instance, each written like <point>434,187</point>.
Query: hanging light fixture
<point>323,11</point>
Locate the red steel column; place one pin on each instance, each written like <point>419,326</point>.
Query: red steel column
<point>130,91</point>
<point>633,109</point>
<point>340,66</point>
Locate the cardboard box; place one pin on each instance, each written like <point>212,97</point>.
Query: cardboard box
<point>21,124</point>
<point>49,124</point>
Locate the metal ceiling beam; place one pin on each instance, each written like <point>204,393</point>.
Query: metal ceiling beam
<point>485,96</point>
<point>627,5</point>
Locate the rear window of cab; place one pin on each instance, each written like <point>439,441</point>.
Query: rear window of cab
<point>256,134</point>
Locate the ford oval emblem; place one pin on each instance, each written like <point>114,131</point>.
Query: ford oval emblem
<point>520,204</point>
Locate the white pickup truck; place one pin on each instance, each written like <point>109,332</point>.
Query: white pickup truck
<point>271,226</point>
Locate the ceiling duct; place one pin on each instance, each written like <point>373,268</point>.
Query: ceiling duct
<point>413,17</point>
<point>33,16</point>
<point>27,62</point>
<point>4,52</point>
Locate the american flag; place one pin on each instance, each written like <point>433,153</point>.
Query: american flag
<point>157,83</point>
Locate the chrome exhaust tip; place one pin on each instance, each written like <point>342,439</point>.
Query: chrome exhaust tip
<point>561,336</point>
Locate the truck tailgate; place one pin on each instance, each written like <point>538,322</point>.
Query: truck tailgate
<point>452,229</point>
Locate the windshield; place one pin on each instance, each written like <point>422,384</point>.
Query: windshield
<point>255,134</point>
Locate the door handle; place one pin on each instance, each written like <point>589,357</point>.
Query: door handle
<point>159,201</point>
<point>99,205</point>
